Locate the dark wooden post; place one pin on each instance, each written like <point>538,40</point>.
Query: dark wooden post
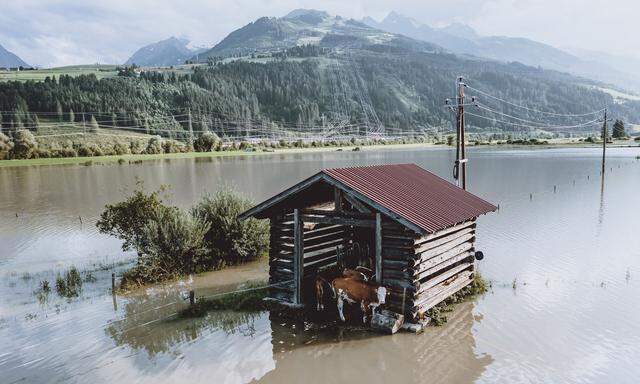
<point>113,281</point>
<point>337,198</point>
<point>298,257</point>
<point>378,248</point>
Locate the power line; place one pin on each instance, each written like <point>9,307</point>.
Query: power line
<point>533,109</point>
<point>592,122</point>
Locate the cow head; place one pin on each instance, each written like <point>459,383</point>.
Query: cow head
<point>382,294</point>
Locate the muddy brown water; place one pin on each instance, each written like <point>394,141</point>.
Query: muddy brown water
<point>564,305</point>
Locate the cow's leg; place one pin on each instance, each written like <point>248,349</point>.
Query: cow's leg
<point>319,295</point>
<point>365,307</point>
<point>341,306</point>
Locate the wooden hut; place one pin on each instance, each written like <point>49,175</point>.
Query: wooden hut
<point>415,229</point>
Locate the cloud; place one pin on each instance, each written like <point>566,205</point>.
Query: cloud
<point>64,32</point>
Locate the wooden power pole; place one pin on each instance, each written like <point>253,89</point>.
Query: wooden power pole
<point>605,133</point>
<point>461,160</point>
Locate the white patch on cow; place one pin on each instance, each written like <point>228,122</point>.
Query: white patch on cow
<point>382,294</point>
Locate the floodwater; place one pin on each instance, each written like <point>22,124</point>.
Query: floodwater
<point>564,305</point>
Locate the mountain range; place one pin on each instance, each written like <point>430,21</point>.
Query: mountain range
<point>10,59</point>
<point>172,51</point>
<point>303,26</point>
<point>462,39</point>
<point>307,26</point>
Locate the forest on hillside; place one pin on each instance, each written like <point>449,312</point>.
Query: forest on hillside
<point>361,91</point>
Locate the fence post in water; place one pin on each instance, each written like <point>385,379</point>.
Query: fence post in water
<point>192,297</point>
<point>378,250</point>
<point>404,296</point>
<point>113,282</point>
<point>554,188</point>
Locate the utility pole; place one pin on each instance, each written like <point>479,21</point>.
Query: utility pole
<point>461,160</point>
<point>190,131</point>
<point>604,139</point>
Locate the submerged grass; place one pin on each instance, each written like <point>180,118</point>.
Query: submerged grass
<point>477,287</point>
<point>248,299</point>
<point>70,284</point>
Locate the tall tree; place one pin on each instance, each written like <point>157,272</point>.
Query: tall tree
<point>59,110</point>
<point>618,130</point>
<point>93,124</point>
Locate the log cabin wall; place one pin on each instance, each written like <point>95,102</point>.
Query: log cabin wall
<point>423,271</point>
<point>319,248</point>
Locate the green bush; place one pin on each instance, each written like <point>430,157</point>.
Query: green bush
<point>6,145</point>
<point>88,150</point>
<point>154,146</point>
<point>207,142</point>
<point>121,149</point>
<point>136,147</point>
<point>170,245</point>
<point>126,220</point>
<point>24,145</point>
<point>173,146</point>
<point>230,240</point>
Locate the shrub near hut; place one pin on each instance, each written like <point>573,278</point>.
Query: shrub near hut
<point>170,242</point>
<point>230,240</point>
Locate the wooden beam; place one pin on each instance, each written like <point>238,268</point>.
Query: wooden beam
<point>443,240</point>
<point>339,220</point>
<point>446,231</point>
<point>337,199</point>
<point>298,254</point>
<point>356,203</point>
<point>378,248</point>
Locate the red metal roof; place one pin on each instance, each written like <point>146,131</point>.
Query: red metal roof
<point>413,193</point>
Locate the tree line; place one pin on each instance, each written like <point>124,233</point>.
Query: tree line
<point>402,92</point>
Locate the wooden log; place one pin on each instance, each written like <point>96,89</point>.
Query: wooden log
<point>402,265</point>
<point>443,277</point>
<point>314,248</point>
<point>442,253</point>
<point>315,233</point>
<point>342,214</point>
<point>319,256</point>
<point>444,232</point>
<point>339,220</point>
<point>438,267</point>
<point>392,283</point>
<point>298,263</point>
<point>443,240</point>
<point>441,291</point>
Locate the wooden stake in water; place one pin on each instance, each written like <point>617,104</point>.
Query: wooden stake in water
<point>113,281</point>
<point>604,140</point>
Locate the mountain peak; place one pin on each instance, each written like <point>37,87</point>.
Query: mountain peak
<point>171,51</point>
<point>460,30</point>
<point>397,18</point>
<point>307,14</point>
<point>10,60</point>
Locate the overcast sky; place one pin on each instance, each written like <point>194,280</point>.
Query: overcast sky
<point>61,32</point>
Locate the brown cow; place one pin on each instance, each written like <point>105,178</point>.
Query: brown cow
<point>357,291</point>
<point>359,273</point>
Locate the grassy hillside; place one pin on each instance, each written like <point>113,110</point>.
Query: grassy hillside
<point>100,71</point>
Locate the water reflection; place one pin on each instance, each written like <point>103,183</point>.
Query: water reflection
<point>336,355</point>
<point>153,322</point>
